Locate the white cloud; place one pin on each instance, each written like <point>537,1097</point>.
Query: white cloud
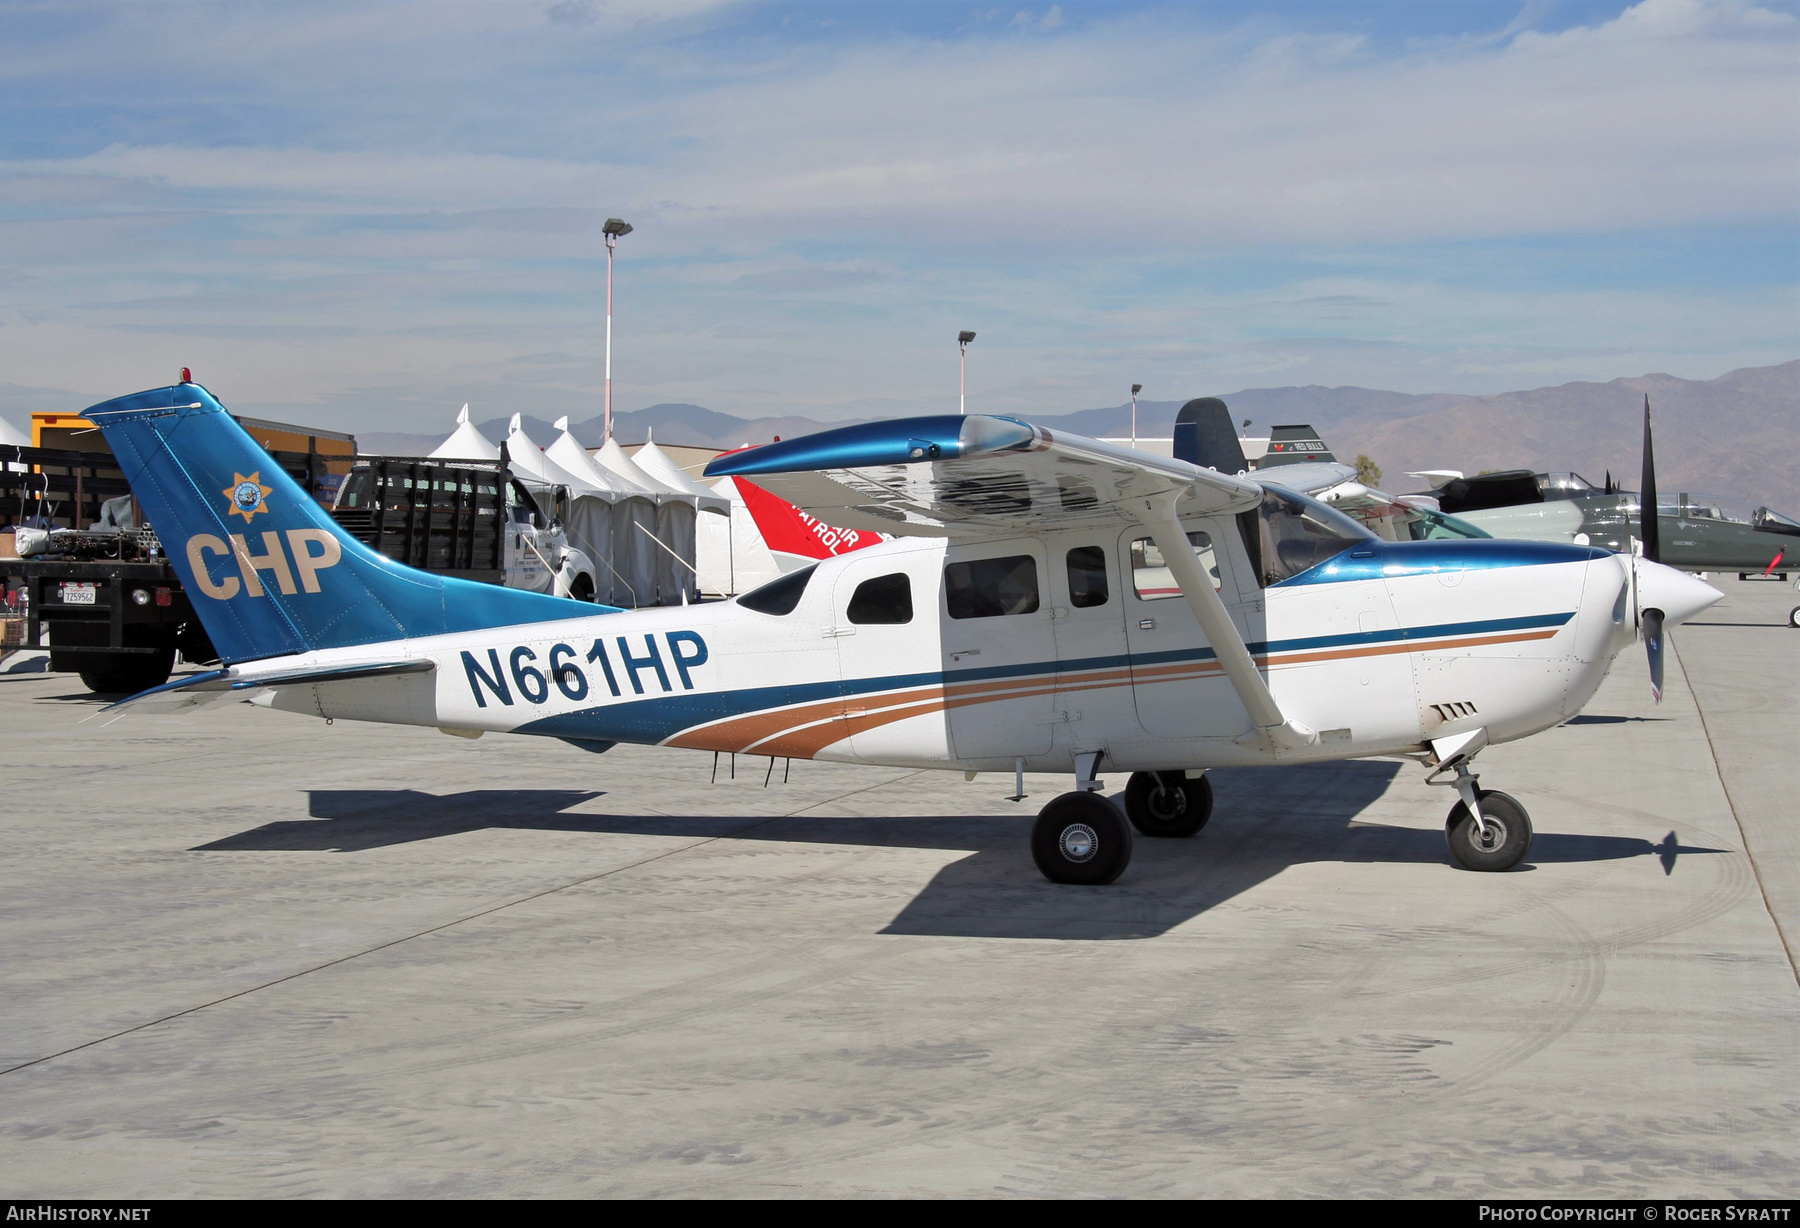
<point>411,197</point>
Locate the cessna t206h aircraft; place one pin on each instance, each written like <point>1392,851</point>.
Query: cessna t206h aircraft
<point>1049,603</point>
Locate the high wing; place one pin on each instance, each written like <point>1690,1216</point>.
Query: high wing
<point>976,477</point>
<point>979,477</point>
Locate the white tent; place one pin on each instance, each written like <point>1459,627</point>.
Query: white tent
<point>466,443</point>
<point>661,466</point>
<point>620,551</point>
<point>731,553</point>
<point>672,551</point>
<point>529,462</point>
<point>12,437</point>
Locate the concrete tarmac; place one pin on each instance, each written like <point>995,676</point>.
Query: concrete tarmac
<point>246,954</point>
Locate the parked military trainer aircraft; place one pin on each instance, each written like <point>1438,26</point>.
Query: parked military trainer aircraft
<point>1696,532</point>
<point>1050,603</point>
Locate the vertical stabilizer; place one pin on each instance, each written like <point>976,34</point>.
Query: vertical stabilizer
<point>269,571</point>
<point>1204,436</point>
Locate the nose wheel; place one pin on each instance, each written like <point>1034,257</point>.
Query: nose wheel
<point>1168,803</point>
<point>1499,842</point>
<point>1081,838</point>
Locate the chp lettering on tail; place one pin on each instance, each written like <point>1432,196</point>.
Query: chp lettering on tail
<point>312,551</point>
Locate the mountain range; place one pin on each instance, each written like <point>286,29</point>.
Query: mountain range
<point>1737,435</point>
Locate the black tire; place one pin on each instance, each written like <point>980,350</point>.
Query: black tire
<point>1168,804</point>
<point>108,673</point>
<point>1509,837</point>
<point>1081,838</point>
<point>1794,617</point>
<point>131,674</point>
<point>582,589</point>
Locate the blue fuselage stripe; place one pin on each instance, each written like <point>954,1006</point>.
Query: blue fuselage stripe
<point>654,720</point>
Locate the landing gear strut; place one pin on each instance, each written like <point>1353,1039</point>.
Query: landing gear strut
<point>1487,830</point>
<point>1168,803</point>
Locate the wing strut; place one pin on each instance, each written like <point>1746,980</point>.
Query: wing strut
<point>1276,731</point>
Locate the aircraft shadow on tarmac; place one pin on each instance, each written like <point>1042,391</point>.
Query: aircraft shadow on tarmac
<point>1263,822</point>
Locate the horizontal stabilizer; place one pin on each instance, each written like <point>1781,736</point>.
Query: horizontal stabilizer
<point>186,694</point>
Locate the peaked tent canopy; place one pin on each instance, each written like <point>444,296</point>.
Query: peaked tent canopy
<point>575,459</point>
<point>613,457</point>
<point>466,443</point>
<point>529,462</point>
<point>661,466</point>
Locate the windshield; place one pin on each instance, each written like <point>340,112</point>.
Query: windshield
<point>1298,533</point>
<point>1714,507</point>
<point>1564,485</point>
<point>1425,525</point>
<point>1774,522</point>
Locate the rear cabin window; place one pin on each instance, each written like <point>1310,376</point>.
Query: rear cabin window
<point>779,596</point>
<point>1087,576</point>
<point>885,599</point>
<point>987,588</point>
<point>1150,575</point>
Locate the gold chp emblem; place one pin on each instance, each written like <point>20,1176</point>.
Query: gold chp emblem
<point>247,495</point>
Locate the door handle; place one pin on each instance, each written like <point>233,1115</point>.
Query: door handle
<point>967,652</point>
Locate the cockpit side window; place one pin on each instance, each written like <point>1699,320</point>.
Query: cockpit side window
<point>779,596</point>
<point>882,600</point>
<point>1297,534</point>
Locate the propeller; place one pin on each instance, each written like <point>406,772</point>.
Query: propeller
<point>1647,526</point>
<point>1650,622</point>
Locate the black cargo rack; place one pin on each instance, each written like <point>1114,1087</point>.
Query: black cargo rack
<point>443,516</point>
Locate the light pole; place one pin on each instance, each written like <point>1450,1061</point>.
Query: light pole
<point>1135,389</point>
<point>612,230</point>
<point>962,379</point>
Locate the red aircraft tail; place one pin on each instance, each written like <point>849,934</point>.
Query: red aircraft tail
<point>789,531</point>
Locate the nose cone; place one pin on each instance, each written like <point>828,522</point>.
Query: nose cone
<point>1678,595</point>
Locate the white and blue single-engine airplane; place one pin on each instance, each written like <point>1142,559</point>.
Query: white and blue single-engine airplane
<point>1050,604</point>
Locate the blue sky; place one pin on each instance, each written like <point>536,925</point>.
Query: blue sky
<point>364,215</point>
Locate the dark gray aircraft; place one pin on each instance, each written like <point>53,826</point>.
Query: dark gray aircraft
<point>1691,531</point>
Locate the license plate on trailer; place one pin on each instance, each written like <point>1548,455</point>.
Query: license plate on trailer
<point>76,594</point>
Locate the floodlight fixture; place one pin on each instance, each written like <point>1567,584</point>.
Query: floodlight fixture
<point>615,227</point>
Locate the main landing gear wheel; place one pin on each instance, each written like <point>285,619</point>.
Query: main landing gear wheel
<point>1081,838</point>
<point>1794,617</point>
<point>1508,836</point>
<point>1168,803</point>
